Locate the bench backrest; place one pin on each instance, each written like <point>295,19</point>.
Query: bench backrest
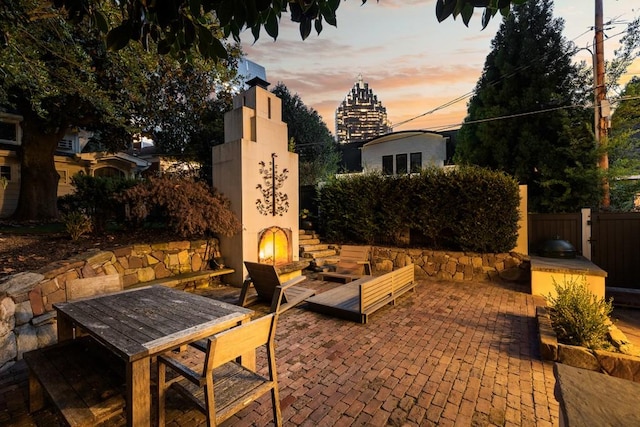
<point>375,290</point>
<point>403,276</point>
<point>93,286</point>
<point>383,287</point>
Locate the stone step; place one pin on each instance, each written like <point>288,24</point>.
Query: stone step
<point>306,238</point>
<point>312,242</point>
<point>306,233</point>
<point>319,254</point>
<point>322,261</point>
<point>313,245</point>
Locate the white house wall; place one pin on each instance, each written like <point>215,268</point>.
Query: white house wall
<point>432,146</point>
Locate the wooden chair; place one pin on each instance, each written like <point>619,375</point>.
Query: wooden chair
<point>354,262</point>
<point>267,284</point>
<point>215,381</point>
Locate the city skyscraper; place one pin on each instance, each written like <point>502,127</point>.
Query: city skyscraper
<point>361,116</point>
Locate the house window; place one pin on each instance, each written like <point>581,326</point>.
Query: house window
<point>401,164</point>
<point>109,172</point>
<point>5,172</point>
<point>387,165</point>
<point>9,132</point>
<point>416,162</point>
<point>65,145</point>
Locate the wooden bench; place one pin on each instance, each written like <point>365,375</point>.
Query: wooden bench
<point>353,263</point>
<point>84,382</point>
<point>360,298</point>
<point>186,278</point>
<point>93,286</point>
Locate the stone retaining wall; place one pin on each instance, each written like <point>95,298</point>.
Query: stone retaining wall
<point>625,364</point>
<point>27,318</point>
<point>457,266</point>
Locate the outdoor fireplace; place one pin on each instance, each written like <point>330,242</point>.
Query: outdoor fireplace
<point>274,246</point>
<point>256,171</point>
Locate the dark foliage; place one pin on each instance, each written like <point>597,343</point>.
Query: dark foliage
<point>96,197</point>
<point>468,209</point>
<point>527,116</point>
<point>188,207</point>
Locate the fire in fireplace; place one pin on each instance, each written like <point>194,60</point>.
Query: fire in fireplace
<point>274,246</point>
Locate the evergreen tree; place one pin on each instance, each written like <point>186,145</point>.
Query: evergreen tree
<point>526,117</point>
<point>310,136</point>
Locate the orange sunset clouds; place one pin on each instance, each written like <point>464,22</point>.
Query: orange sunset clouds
<point>412,63</point>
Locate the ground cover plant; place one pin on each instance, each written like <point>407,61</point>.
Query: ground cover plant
<point>578,316</point>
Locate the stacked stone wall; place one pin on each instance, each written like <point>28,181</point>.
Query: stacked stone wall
<point>457,266</point>
<point>27,317</point>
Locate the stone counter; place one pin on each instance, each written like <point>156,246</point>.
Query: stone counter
<point>546,272</point>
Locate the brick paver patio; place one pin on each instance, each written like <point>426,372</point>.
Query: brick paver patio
<point>462,354</point>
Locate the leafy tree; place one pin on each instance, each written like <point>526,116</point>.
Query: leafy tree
<point>623,57</point>
<point>183,27</point>
<point>59,76</point>
<point>312,140</point>
<point>465,9</point>
<point>525,117</point>
<point>624,148</point>
<point>185,109</point>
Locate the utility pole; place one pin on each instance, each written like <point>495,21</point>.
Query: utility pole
<point>601,105</point>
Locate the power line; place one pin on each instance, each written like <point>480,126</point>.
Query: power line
<point>514,72</point>
<point>510,116</point>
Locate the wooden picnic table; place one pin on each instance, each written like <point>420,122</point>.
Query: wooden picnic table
<point>142,323</point>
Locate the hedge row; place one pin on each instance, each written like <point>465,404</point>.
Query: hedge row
<point>463,209</point>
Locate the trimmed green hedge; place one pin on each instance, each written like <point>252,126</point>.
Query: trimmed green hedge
<point>463,209</point>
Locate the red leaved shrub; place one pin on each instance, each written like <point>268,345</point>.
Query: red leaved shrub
<point>189,207</point>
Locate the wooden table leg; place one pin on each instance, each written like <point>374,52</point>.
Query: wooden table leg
<point>139,393</point>
<point>65,327</point>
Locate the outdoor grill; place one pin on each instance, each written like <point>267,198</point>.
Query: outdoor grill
<point>557,248</point>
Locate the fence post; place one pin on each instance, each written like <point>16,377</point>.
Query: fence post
<point>522,243</point>
<point>586,232</point>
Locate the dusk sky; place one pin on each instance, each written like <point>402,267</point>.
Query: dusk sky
<point>413,63</point>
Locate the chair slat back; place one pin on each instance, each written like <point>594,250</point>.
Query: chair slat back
<point>264,277</point>
<point>355,253</point>
<point>230,344</point>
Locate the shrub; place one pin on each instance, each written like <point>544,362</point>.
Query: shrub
<point>96,197</point>
<point>467,209</point>
<point>76,223</point>
<point>578,316</point>
<point>187,206</point>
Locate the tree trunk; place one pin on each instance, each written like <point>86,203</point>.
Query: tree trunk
<point>38,176</point>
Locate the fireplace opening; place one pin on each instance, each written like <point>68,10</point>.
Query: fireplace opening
<point>274,246</point>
